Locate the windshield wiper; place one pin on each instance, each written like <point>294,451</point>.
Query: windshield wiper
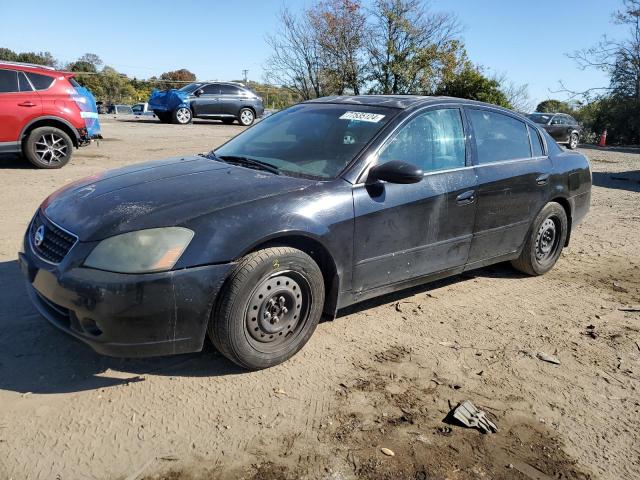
<point>248,162</point>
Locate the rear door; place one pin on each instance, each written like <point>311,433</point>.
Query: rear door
<point>19,104</point>
<point>410,231</point>
<point>230,100</point>
<point>513,182</point>
<point>209,102</point>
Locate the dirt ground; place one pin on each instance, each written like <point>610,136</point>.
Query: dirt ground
<point>383,375</point>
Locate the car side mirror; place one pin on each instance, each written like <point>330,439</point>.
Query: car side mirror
<point>198,92</point>
<point>395,171</point>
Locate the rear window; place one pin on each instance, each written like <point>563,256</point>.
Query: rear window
<point>8,81</point>
<point>40,82</point>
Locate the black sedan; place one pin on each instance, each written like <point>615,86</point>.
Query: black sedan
<point>561,127</point>
<point>322,205</point>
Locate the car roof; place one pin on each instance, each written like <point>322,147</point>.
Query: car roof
<point>32,67</point>
<point>402,102</point>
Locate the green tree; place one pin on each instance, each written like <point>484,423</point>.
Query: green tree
<point>39,58</point>
<point>472,84</point>
<point>554,106</point>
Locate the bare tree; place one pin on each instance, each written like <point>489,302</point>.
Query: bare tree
<point>295,61</point>
<point>517,95</point>
<point>339,28</point>
<point>404,42</point>
<point>620,59</point>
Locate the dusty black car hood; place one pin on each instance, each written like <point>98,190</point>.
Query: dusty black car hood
<point>156,194</point>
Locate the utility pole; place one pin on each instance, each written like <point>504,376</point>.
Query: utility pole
<point>244,75</point>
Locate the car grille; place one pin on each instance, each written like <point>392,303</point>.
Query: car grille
<point>56,242</point>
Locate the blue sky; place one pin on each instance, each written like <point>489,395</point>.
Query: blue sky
<point>218,39</point>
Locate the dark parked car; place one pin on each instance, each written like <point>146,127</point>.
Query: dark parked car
<point>218,100</point>
<point>317,207</point>
<point>563,128</point>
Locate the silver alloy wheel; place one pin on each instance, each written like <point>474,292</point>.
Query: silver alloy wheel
<point>183,115</point>
<point>246,117</point>
<point>51,148</point>
<point>573,142</point>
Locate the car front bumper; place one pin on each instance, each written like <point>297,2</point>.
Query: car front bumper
<point>125,315</point>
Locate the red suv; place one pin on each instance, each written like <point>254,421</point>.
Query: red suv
<point>44,114</point>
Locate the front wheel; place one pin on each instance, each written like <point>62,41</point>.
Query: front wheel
<point>573,141</point>
<point>545,241</point>
<point>268,308</point>
<point>182,116</point>
<point>246,117</point>
<point>48,147</point>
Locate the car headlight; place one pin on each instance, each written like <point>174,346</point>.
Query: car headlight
<point>143,251</point>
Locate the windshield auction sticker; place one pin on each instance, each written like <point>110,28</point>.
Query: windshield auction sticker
<point>362,116</point>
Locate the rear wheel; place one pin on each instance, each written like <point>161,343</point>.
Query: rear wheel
<point>573,141</point>
<point>48,147</point>
<point>246,117</point>
<point>164,117</point>
<point>182,116</point>
<point>268,308</point>
<point>547,236</point>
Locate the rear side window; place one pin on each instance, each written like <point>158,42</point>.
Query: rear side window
<point>536,143</point>
<point>8,81</point>
<point>23,83</point>
<point>40,82</point>
<point>432,141</point>
<point>229,90</point>
<point>499,137</point>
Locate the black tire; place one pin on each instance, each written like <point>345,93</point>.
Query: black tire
<point>249,325</point>
<point>574,138</point>
<point>545,241</point>
<point>37,147</point>
<point>246,117</point>
<point>164,117</point>
<point>182,116</point>
<point>228,121</point>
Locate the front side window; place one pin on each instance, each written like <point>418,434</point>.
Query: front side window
<point>536,144</point>
<point>433,140</point>
<point>212,89</point>
<point>499,137</point>
<point>8,81</point>
<point>312,140</point>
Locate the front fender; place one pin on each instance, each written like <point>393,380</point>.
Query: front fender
<point>320,213</point>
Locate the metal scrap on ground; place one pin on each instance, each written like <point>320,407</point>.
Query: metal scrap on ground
<point>469,415</point>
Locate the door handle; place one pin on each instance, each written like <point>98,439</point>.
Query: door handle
<point>466,198</point>
<point>543,179</point>
<point>27,104</point>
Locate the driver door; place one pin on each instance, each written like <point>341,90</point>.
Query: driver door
<point>208,102</point>
<point>407,231</point>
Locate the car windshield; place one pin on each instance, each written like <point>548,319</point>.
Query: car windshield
<point>542,118</point>
<point>189,87</point>
<point>311,140</point>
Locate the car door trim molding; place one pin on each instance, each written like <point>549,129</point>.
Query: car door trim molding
<point>413,250</point>
<point>9,147</point>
